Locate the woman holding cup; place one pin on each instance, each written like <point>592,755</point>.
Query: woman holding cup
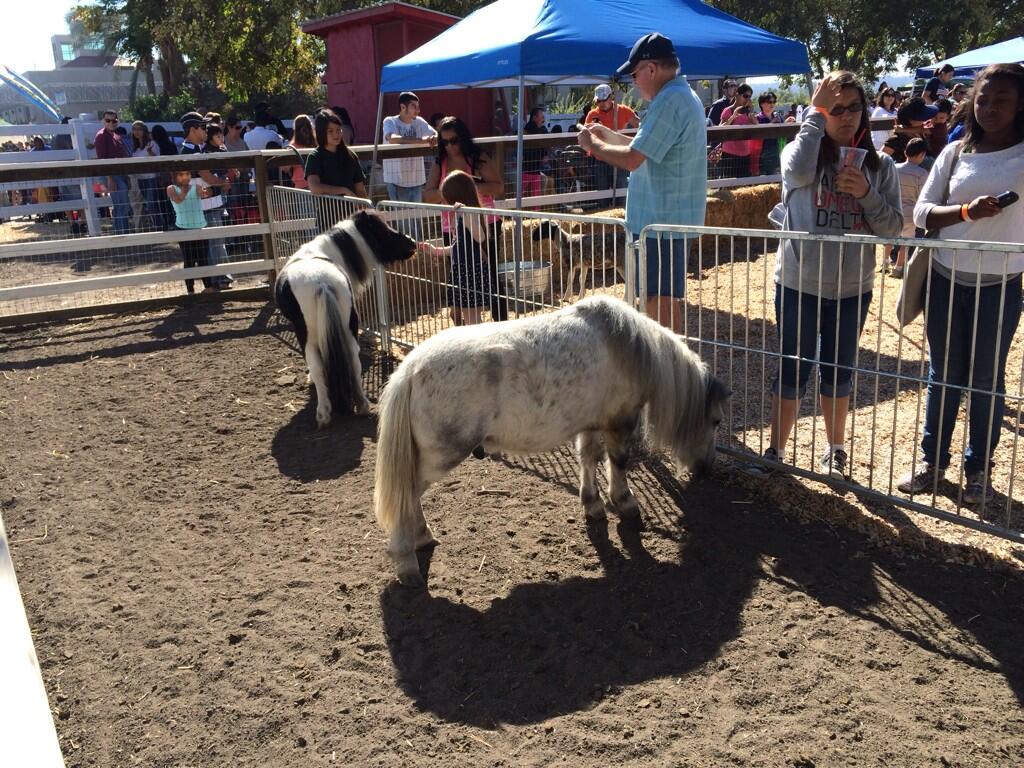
<point>833,183</point>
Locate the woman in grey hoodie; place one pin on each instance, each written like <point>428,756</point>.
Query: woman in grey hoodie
<point>823,290</point>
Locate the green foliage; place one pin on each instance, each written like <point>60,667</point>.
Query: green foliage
<point>868,36</point>
<point>162,108</point>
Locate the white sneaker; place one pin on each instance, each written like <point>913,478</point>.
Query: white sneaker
<point>835,464</point>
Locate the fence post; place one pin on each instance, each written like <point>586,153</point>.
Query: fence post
<point>383,315</point>
<point>631,261</point>
<point>263,201</point>
<point>79,144</point>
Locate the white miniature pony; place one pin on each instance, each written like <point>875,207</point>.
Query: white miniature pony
<point>527,386</point>
<point>317,289</point>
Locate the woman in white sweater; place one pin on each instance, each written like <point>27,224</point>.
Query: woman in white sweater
<point>886,108</point>
<point>974,297</point>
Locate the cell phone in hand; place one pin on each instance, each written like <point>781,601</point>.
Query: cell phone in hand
<point>1007,198</point>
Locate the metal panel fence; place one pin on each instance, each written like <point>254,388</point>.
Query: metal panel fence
<point>730,318</point>
<point>733,316</point>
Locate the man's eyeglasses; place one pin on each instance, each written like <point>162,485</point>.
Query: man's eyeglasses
<point>450,142</point>
<point>839,111</point>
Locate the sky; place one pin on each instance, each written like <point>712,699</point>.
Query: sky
<point>25,44</point>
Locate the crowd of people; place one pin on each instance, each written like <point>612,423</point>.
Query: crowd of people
<point>943,168</point>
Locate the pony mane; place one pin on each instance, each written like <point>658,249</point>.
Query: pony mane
<point>672,376</point>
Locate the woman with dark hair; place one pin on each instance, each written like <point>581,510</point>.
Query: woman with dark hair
<point>302,138</point>
<point>332,168</point>
<point>234,134</point>
<point>833,183</point>
<point>886,108</point>
<point>165,144</point>
<point>766,151</point>
<point>973,297</point>
<point>735,162</point>
<point>348,131</point>
<point>456,151</point>
<point>147,210</point>
<point>533,158</point>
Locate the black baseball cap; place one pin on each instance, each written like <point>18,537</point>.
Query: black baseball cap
<point>916,109</point>
<point>648,47</point>
<point>190,119</point>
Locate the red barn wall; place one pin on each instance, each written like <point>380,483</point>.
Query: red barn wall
<point>355,55</point>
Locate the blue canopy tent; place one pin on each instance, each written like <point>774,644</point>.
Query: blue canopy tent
<point>576,42</point>
<point>971,63</point>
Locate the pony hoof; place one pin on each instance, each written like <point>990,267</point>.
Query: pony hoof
<point>412,580</point>
<point>323,417</point>
<point>627,508</point>
<point>595,510</point>
<point>363,408</point>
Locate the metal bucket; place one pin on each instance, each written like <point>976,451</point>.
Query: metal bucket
<point>534,279</point>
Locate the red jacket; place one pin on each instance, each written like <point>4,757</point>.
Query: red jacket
<point>109,146</point>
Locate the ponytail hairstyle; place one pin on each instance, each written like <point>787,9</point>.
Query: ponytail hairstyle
<point>459,187</point>
<point>828,153</point>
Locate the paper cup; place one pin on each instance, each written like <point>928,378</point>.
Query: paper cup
<point>852,157</point>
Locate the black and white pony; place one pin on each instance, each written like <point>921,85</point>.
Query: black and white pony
<point>317,290</point>
<point>527,386</point>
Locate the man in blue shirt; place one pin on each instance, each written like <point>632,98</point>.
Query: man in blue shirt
<point>668,163</point>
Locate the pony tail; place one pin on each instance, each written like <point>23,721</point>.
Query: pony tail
<point>331,345</point>
<point>397,470</point>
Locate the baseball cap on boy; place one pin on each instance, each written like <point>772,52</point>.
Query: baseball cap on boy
<point>602,92</point>
<point>915,109</point>
<point>190,119</point>
<point>648,47</point>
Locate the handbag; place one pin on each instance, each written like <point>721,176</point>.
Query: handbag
<point>911,301</point>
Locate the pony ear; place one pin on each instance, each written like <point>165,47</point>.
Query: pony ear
<point>717,393</point>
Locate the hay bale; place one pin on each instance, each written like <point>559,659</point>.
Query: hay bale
<point>742,207</point>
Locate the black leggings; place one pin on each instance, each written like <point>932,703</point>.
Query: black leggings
<point>499,304</point>
<point>195,253</point>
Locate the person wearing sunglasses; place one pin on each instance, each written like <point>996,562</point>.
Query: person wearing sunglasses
<point>110,145</point>
<point>735,163</point>
<point>823,289</point>
<point>668,164</point>
<point>457,151</point>
<point>765,152</point>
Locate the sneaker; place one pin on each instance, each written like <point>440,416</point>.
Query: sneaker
<point>771,456</point>
<point>922,480</point>
<point>978,488</point>
<point>836,464</point>
<point>896,272</point>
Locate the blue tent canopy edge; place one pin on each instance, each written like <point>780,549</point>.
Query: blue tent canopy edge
<point>575,42</point>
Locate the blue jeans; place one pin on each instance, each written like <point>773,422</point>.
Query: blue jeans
<point>218,252</point>
<point>949,366</point>
<point>122,210</point>
<point>409,223</point>
<point>666,267</point>
<point>831,338</point>
<point>151,191</point>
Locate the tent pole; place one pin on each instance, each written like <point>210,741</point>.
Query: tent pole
<point>376,141</point>
<point>809,80</point>
<point>518,239</point>
<point>519,142</point>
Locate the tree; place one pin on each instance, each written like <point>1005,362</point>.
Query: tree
<point>244,48</point>
<point>839,34</point>
<point>868,36</point>
<point>138,30</point>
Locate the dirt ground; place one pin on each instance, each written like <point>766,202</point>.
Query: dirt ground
<point>207,587</point>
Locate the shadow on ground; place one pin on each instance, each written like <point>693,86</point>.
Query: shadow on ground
<point>554,647</point>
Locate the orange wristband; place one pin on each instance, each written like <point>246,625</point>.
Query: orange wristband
<point>964,215</point>
<point>822,110</point>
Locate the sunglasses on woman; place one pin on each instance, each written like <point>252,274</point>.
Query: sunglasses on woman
<point>839,110</point>
<point>450,142</point>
